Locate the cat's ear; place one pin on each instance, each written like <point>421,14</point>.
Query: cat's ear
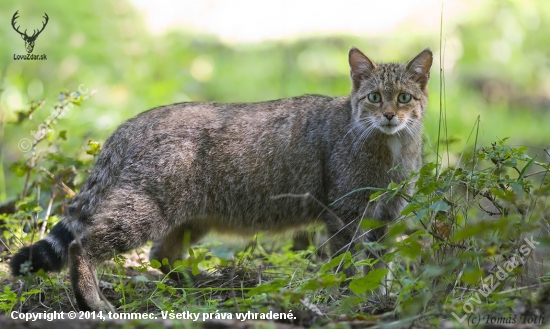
<point>361,67</point>
<point>421,65</point>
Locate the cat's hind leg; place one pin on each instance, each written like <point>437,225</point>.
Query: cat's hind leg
<point>126,219</point>
<point>174,245</point>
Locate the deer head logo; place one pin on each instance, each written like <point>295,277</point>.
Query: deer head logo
<point>29,40</point>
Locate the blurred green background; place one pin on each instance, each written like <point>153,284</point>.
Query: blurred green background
<point>496,66</point>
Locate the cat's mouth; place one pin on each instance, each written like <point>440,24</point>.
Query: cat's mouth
<point>390,128</point>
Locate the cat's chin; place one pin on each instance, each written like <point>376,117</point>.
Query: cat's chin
<point>390,129</point>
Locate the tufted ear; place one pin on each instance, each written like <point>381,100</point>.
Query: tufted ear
<point>361,67</point>
<point>421,65</point>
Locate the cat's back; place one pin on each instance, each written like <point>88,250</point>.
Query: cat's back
<point>231,137</point>
<point>215,128</point>
<point>189,112</point>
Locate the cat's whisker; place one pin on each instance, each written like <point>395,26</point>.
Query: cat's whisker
<point>358,140</point>
<point>360,125</point>
<point>362,138</point>
<point>416,133</point>
<point>412,127</point>
<point>413,130</point>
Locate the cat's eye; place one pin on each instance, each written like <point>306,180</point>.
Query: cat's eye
<point>404,98</point>
<point>374,97</point>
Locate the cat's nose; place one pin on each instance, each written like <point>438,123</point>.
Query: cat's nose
<point>389,115</point>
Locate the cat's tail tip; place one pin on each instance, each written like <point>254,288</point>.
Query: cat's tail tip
<point>49,254</point>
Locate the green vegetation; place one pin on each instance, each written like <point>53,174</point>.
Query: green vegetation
<point>476,199</point>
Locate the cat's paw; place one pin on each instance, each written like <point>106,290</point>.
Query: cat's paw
<point>100,305</point>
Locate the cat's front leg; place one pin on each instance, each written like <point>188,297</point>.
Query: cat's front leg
<point>386,211</point>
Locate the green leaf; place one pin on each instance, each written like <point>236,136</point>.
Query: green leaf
<point>472,275</point>
<point>426,186</point>
<point>527,166</point>
<point>94,149</point>
<point>37,209</point>
<point>376,195</point>
<point>410,248</point>
<point>195,269</point>
<point>345,259</point>
<point>420,215</point>
<point>440,206</point>
<point>511,163</point>
<point>395,230</point>
<point>141,278</point>
<point>413,206</point>
<point>42,274</point>
<point>369,282</point>
<point>273,286</point>
<point>155,264</point>
<point>506,195</point>
<point>324,281</point>
<point>427,169</point>
<point>20,168</point>
<point>369,224</point>
<point>63,135</point>
<point>481,227</point>
<point>178,265</point>
<point>32,292</point>
<point>433,271</point>
<point>518,190</point>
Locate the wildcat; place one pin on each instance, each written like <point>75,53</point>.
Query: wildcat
<point>174,173</point>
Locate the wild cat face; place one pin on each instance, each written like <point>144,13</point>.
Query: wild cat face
<point>389,97</point>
